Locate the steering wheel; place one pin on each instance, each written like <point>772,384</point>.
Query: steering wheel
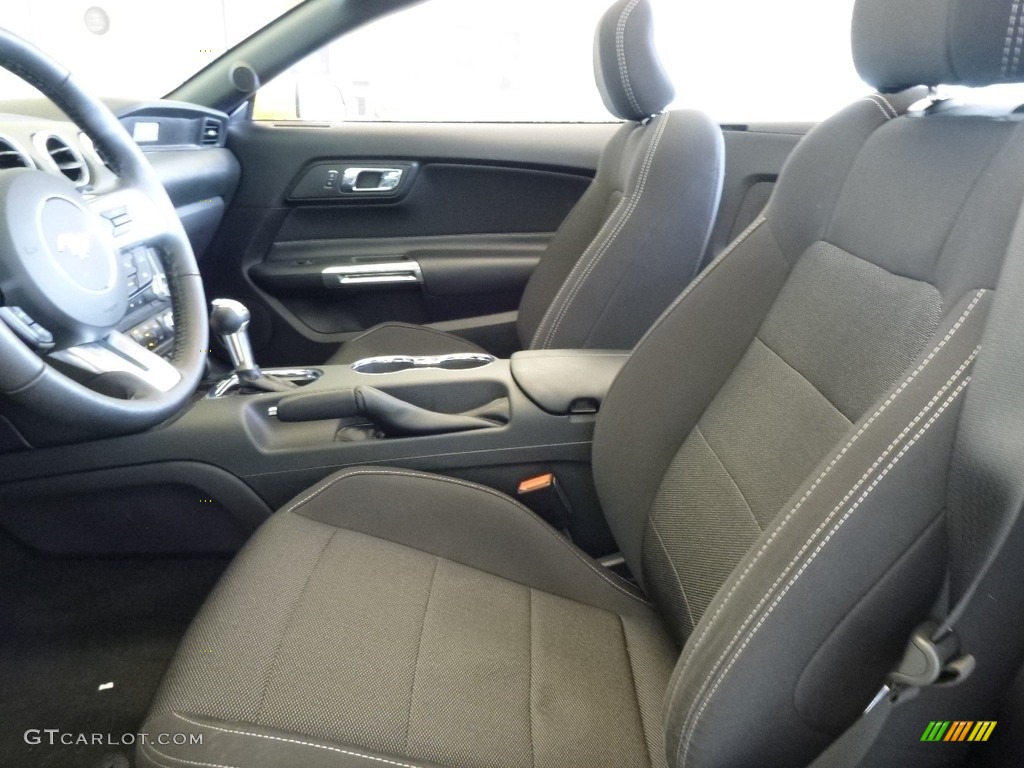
<point>61,263</point>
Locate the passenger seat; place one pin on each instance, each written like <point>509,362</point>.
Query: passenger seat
<point>636,237</point>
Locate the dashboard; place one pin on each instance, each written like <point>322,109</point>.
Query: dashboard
<point>185,144</point>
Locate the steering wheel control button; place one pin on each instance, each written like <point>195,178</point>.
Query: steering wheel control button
<point>120,220</point>
<point>143,265</point>
<point>27,329</point>
<point>61,264</point>
<point>160,287</point>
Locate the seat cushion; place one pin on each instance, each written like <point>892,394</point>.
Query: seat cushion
<point>397,618</point>
<point>400,339</point>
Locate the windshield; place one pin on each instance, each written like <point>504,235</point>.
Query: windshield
<point>136,49</point>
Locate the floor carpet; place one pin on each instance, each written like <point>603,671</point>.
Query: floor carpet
<point>69,628</point>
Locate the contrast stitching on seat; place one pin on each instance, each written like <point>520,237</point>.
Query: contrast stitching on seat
<point>705,700</point>
<point>605,246</point>
<point>895,112</point>
<point>602,246</point>
<point>600,237</point>
<point>419,650</point>
<point>700,278</point>
<point>515,504</point>
<point>1011,28</point>
<point>179,760</point>
<point>529,703</point>
<point>291,616</point>
<point>881,108</point>
<point>620,49</point>
<point>689,656</point>
<point>1018,42</point>
<point>672,565</point>
<point>268,737</point>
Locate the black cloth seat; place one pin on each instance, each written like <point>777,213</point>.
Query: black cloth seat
<point>418,630</point>
<point>774,461</point>
<point>635,238</point>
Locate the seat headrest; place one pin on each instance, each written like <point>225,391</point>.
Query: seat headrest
<point>632,81</point>
<point>900,43</point>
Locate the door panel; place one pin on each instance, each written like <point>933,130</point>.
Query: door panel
<point>457,237</point>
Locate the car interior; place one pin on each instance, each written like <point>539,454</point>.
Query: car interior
<point>659,441</point>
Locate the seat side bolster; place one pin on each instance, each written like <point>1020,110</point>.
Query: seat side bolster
<point>651,246</point>
<point>468,524</point>
<point>903,443</point>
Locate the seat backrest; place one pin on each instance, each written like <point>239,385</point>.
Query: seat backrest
<point>636,237</point>
<point>773,459</point>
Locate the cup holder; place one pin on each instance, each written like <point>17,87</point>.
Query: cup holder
<point>396,363</point>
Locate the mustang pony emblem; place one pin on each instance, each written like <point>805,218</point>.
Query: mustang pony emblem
<point>75,243</point>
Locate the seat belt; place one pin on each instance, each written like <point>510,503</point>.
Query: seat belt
<point>989,435</point>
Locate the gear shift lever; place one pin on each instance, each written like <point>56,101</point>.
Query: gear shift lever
<point>230,321</point>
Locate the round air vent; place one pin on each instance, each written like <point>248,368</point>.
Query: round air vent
<point>68,160</point>
<point>11,156</point>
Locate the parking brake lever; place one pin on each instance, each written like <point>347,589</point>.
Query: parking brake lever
<point>392,415</point>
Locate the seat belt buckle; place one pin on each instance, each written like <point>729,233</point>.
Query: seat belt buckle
<point>931,661</point>
<point>544,495</point>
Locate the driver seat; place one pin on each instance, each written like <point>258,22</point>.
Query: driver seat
<point>773,460</point>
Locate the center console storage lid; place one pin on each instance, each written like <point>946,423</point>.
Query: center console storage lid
<point>564,381</point>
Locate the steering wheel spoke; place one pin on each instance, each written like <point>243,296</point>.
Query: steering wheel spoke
<point>28,330</point>
<point>118,353</point>
<point>134,219</point>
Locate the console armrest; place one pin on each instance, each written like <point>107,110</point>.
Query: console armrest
<point>563,381</point>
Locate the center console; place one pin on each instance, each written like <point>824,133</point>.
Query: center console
<point>253,440</point>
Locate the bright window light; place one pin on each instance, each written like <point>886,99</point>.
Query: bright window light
<point>468,60</point>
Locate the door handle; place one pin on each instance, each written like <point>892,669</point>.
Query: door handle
<point>373,273</point>
<point>372,180</point>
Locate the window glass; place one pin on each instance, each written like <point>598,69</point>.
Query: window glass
<point>468,60</point>
<point>531,60</point>
<point>756,61</point>
<point>452,60</point>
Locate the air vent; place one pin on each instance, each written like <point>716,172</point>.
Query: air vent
<point>11,156</point>
<point>211,133</point>
<point>67,160</point>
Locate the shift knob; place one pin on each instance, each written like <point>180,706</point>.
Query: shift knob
<point>230,321</point>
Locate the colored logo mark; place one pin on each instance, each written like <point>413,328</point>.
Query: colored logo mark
<point>958,730</point>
